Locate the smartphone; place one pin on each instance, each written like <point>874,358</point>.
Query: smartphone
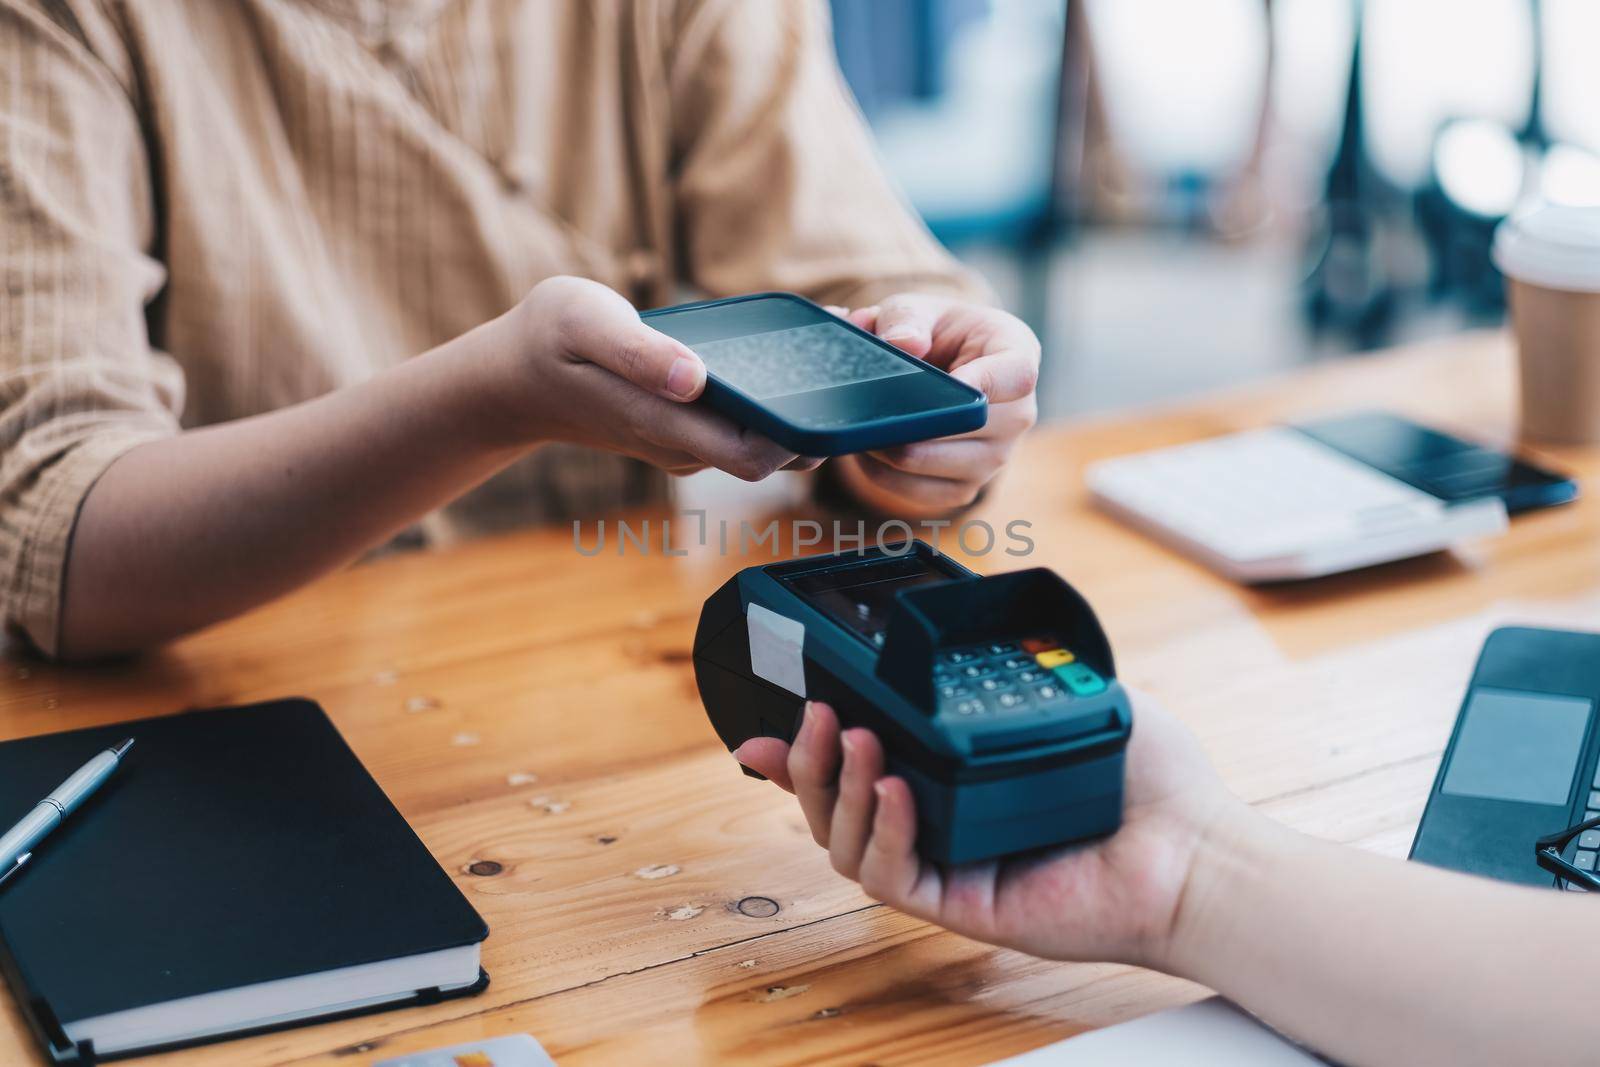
<point>814,383</point>
<point>1439,463</point>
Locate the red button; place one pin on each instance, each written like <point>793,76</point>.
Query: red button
<point>1037,645</point>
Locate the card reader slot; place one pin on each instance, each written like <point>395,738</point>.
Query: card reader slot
<point>1049,732</point>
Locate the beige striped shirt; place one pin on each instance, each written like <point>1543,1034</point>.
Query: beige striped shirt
<point>215,208</point>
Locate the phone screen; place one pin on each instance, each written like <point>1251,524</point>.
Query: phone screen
<point>1439,463</point>
<point>797,360</point>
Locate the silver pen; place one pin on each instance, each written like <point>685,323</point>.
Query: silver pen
<point>16,846</point>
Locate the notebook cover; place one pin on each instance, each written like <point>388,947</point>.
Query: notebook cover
<point>233,846</point>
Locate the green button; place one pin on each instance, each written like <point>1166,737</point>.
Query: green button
<point>1080,679</point>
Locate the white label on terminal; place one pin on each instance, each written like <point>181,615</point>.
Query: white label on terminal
<point>777,645</point>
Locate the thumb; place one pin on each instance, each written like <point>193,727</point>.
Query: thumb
<point>602,328</point>
<point>651,360</point>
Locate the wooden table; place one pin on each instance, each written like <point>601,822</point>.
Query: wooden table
<point>651,905</point>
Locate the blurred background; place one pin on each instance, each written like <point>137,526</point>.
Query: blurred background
<point>1182,194</point>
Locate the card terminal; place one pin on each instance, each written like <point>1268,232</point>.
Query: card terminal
<point>996,697</point>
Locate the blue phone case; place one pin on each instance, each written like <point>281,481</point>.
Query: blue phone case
<point>900,429</point>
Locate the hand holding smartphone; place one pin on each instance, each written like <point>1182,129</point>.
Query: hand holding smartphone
<point>814,383</point>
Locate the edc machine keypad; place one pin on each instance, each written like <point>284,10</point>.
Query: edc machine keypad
<point>1009,678</point>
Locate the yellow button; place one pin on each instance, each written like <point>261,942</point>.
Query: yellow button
<point>1056,657</point>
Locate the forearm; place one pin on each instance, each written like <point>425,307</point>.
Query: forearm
<point>183,532</point>
<point>1378,962</point>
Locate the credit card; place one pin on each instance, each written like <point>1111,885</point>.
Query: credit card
<point>514,1050</point>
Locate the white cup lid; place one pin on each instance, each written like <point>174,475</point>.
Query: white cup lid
<point>1557,247</point>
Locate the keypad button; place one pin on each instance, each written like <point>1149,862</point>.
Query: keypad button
<point>1574,887</point>
<point>1594,799</point>
<point>953,692</point>
<point>1002,649</point>
<point>1011,700</point>
<point>974,670</point>
<point>1030,675</point>
<point>994,684</point>
<point>1597,777</point>
<point>1584,860</point>
<point>1055,657</point>
<point>1589,839</point>
<point>1035,645</point>
<point>1049,692</point>
<point>970,707</point>
<point>959,656</point>
<point>1592,813</point>
<point>1017,663</point>
<point>1080,679</point>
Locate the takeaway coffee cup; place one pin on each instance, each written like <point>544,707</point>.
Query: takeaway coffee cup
<point>1551,259</point>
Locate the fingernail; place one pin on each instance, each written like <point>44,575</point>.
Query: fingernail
<point>684,377</point>
<point>848,744</point>
<point>737,753</point>
<point>899,333</point>
<point>880,789</point>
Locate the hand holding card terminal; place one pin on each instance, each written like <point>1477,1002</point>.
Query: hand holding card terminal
<point>995,697</point>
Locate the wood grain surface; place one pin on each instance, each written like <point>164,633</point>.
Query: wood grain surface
<point>532,712</point>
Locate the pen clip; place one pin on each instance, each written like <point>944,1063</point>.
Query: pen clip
<point>15,867</point>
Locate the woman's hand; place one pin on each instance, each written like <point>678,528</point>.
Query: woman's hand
<point>985,347</point>
<point>574,362</point>
<point>1114,899</point>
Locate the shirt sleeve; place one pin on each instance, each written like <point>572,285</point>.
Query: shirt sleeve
<point>79,381</point>
<point>777,182</point>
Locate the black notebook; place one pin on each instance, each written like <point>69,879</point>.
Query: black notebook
<point>240,872</point>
